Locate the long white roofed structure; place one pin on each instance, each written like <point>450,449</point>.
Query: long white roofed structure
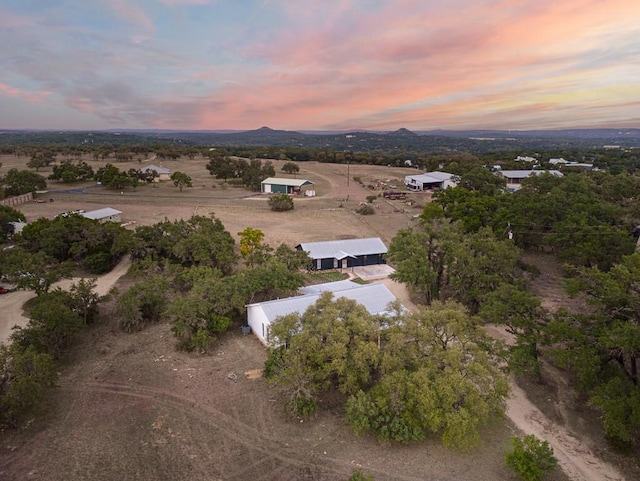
<point>374,297</point>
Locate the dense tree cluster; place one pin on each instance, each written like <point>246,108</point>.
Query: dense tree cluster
<point>18,182</point>
<point>28,366</point>
<point>249,173</point>
<point>73,238</point>
<point>585,219</point>
<point>466,249</point>
<point>406,376</point>
<point>203,291</point>
<point>68,171</point>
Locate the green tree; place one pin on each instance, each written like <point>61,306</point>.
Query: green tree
<point>255,172</point>
<point>477,264</point>
<point>438,374</point>
<point>18,182</point>
<point>52,325</point>
<point>223,167</point>
<point>84,300</point>
<point>106,174</point>
<point>293,259</point>
<point>38,161</point>
<point>87,243</point>
<point>250,242</point>
<point>33,271</point>
<point>8,215</point>
<point>181,180</point>
<point>290,168</point>
<point>523,316</point>
<point>198,241</point>
<point>530,458</point>
<point>419,258</point>
<point>322,353</point>
<point>68,171</point>
<point>26,376</point>
<point>602,349</point>
<point>281,202</point>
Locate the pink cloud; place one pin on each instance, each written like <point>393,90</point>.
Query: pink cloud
<point>31,97</point>
<point>132,14</point>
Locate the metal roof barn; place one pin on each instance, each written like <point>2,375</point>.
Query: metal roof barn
<point>430,180</point>
<point>277,185</point>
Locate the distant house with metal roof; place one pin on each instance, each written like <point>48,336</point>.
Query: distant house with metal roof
<point>345,253</point>
<point>277,185</point>
<point>515,177</point>
<point>163,174</point>
<point>261,315</point>
<point>106,214</point>
<point>430,181</point>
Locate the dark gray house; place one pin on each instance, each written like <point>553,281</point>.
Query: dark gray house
<point>345,253</point>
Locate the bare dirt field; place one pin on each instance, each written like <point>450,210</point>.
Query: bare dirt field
<point>132,407</point>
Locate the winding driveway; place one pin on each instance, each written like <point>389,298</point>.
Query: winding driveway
<point>11,305</point>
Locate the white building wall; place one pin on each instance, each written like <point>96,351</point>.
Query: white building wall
<point>259,323</point>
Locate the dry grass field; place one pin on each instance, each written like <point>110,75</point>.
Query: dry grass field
<point>131,407</point>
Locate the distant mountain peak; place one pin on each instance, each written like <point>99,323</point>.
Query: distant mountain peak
<point>265,129</point>
<point>403,132</point>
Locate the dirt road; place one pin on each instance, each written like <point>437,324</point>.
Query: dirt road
<point>11,305</point>
<point>574,457</point>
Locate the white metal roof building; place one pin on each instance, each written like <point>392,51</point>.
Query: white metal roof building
<point>345,253</point>
<point>277,185</point>
<point>374,297</point>
<point>430,180</point>
<point>107,214</point>
<point>515,176</point>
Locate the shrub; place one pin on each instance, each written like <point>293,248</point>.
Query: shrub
<point>142,304</point>
<point>531,459</point>
<point>365,210</point>
<point>358,475</point>
<point>371,198</point>
<point>280,202</point>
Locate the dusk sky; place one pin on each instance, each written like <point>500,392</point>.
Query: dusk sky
<point>319,64</point>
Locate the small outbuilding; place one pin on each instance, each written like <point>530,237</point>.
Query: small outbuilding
<point>430,181</point>
<point>374,297</point>
<point>345,253</point>
<point>277,185</point>
<point>106,214</point>
<point>163,174</point>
